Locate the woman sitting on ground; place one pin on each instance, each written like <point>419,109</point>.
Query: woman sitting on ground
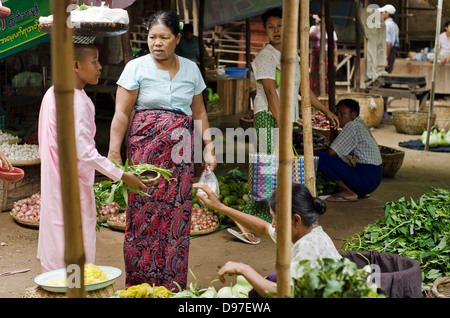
<point>309,241</point>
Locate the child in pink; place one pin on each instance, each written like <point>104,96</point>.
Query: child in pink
<point>51,228</point>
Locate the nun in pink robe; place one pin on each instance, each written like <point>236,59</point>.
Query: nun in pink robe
<point>51,229</point>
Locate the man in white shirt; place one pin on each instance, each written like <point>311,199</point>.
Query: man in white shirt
<point>392,32</point>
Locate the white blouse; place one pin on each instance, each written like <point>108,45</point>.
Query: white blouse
<point>313,246</point>
<point>265,66</point>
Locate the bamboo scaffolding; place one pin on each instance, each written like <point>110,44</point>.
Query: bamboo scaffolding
<point>284,177</point>
<point>63,81</point>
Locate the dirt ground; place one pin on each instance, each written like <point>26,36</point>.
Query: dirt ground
<point>420,171</point>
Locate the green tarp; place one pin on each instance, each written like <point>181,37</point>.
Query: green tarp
<point>20,30</point>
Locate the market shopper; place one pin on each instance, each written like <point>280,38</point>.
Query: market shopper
<point>86,69</point>
<point>392,35</point>
<point>310,242</point>
<point>314,37</point>
<point>355,139</point>
<point>165,91</point>
<point>266,68</point>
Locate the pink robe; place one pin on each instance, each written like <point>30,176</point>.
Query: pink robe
<point>51,229</point>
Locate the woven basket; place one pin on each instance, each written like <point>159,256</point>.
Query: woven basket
<point>39,292</point>
<point>392,160</point>
<point>411,122</point>
<point>372,119</point>
<point>34,224</point>
<point>203,232</point>
<point>245,123</point>
<point>440,288</point>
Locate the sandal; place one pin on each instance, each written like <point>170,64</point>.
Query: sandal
<point>242,237</point>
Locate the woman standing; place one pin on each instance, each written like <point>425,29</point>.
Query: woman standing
<point>266,68</point>
<point>165,90</point>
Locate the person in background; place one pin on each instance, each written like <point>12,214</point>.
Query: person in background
<point>189,46</point>
<point>355,139</point>
<point>267,70</point>
<point>165,91</point>
<point>392,35</point>
<point>444,46</point>
<point>86,69</point>
<point>314,37</point>
<point>309,240</point>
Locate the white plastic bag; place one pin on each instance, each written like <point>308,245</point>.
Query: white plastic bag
<point>208,178</point>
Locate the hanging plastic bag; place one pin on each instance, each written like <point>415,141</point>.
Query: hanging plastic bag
<point>208,178</point>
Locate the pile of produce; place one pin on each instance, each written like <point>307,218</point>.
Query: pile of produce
<point>108,210</point>
<point>249,117</point>
<point>143,291</point>
<point>202,220</point>
<point>239,290</point>
<point>333,279</point>
<point>118,218</point>
<point>418,229</point>
<point>6,137</point>
<point>319,141</point>
<point>28,209</point>
<point>21,152</point>
<point>318,120</point>
<point>92,275</point>
<point>325,186</point>
<point>437,138</point>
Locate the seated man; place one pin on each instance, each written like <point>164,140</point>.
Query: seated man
<point>355,139</point>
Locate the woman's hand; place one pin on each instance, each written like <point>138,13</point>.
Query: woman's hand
<point>134,181</point>
<point>4,162</point>
<point>211,201</point>
<point>231,268</point>
<point>334,121</point>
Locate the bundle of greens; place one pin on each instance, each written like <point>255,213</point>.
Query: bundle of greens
<point>107,191</point>
<point>417,229</point>
<point>332,279</point>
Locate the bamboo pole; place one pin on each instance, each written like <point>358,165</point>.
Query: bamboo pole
<point>433,79</point>
<point>63,81</point>
<point>322,57</point>
<point>331,68</point>
<point>284,177</point>
<point>357,80</point>
<point>308,151</point>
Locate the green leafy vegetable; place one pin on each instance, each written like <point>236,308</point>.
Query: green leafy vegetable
<point>332,278</point>
<point>419,229</point>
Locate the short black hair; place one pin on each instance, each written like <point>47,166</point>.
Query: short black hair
<point>352,104</point>
<point>273,12</point>
<point>303,204</point>
<point>188,28</point>
<point>447,23</point>
<point>79,51</point>
<point>168,18</point>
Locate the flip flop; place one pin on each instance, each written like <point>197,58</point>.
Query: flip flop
<point>241,236</point>
<point>344,199</point>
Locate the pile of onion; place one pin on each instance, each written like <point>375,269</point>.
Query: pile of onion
<point>118,218</point>
<point>109,209</point>
<point>203,220</point>
<point>29,208</point>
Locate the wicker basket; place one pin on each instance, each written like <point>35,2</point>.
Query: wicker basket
<point>392,160</point>
<point>372,119</point>
<point>440,288</point>
<point>411,122</point>
<point>245,123</point>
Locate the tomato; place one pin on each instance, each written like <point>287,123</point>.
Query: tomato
<point>13,175</point>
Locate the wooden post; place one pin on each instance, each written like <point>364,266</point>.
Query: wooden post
<point>358,48</point>
<point>433,76</point>
<point>322,57</point>
<point>63,81</point>
<point>310,181</point>
<point>284,178</point>
<point>331,68</point>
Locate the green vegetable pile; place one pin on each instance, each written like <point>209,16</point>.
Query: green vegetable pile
<point>333,279</point>
<point>419,229</point>
<point>106,191</point>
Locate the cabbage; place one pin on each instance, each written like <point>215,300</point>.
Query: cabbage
<point>442,141</point>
